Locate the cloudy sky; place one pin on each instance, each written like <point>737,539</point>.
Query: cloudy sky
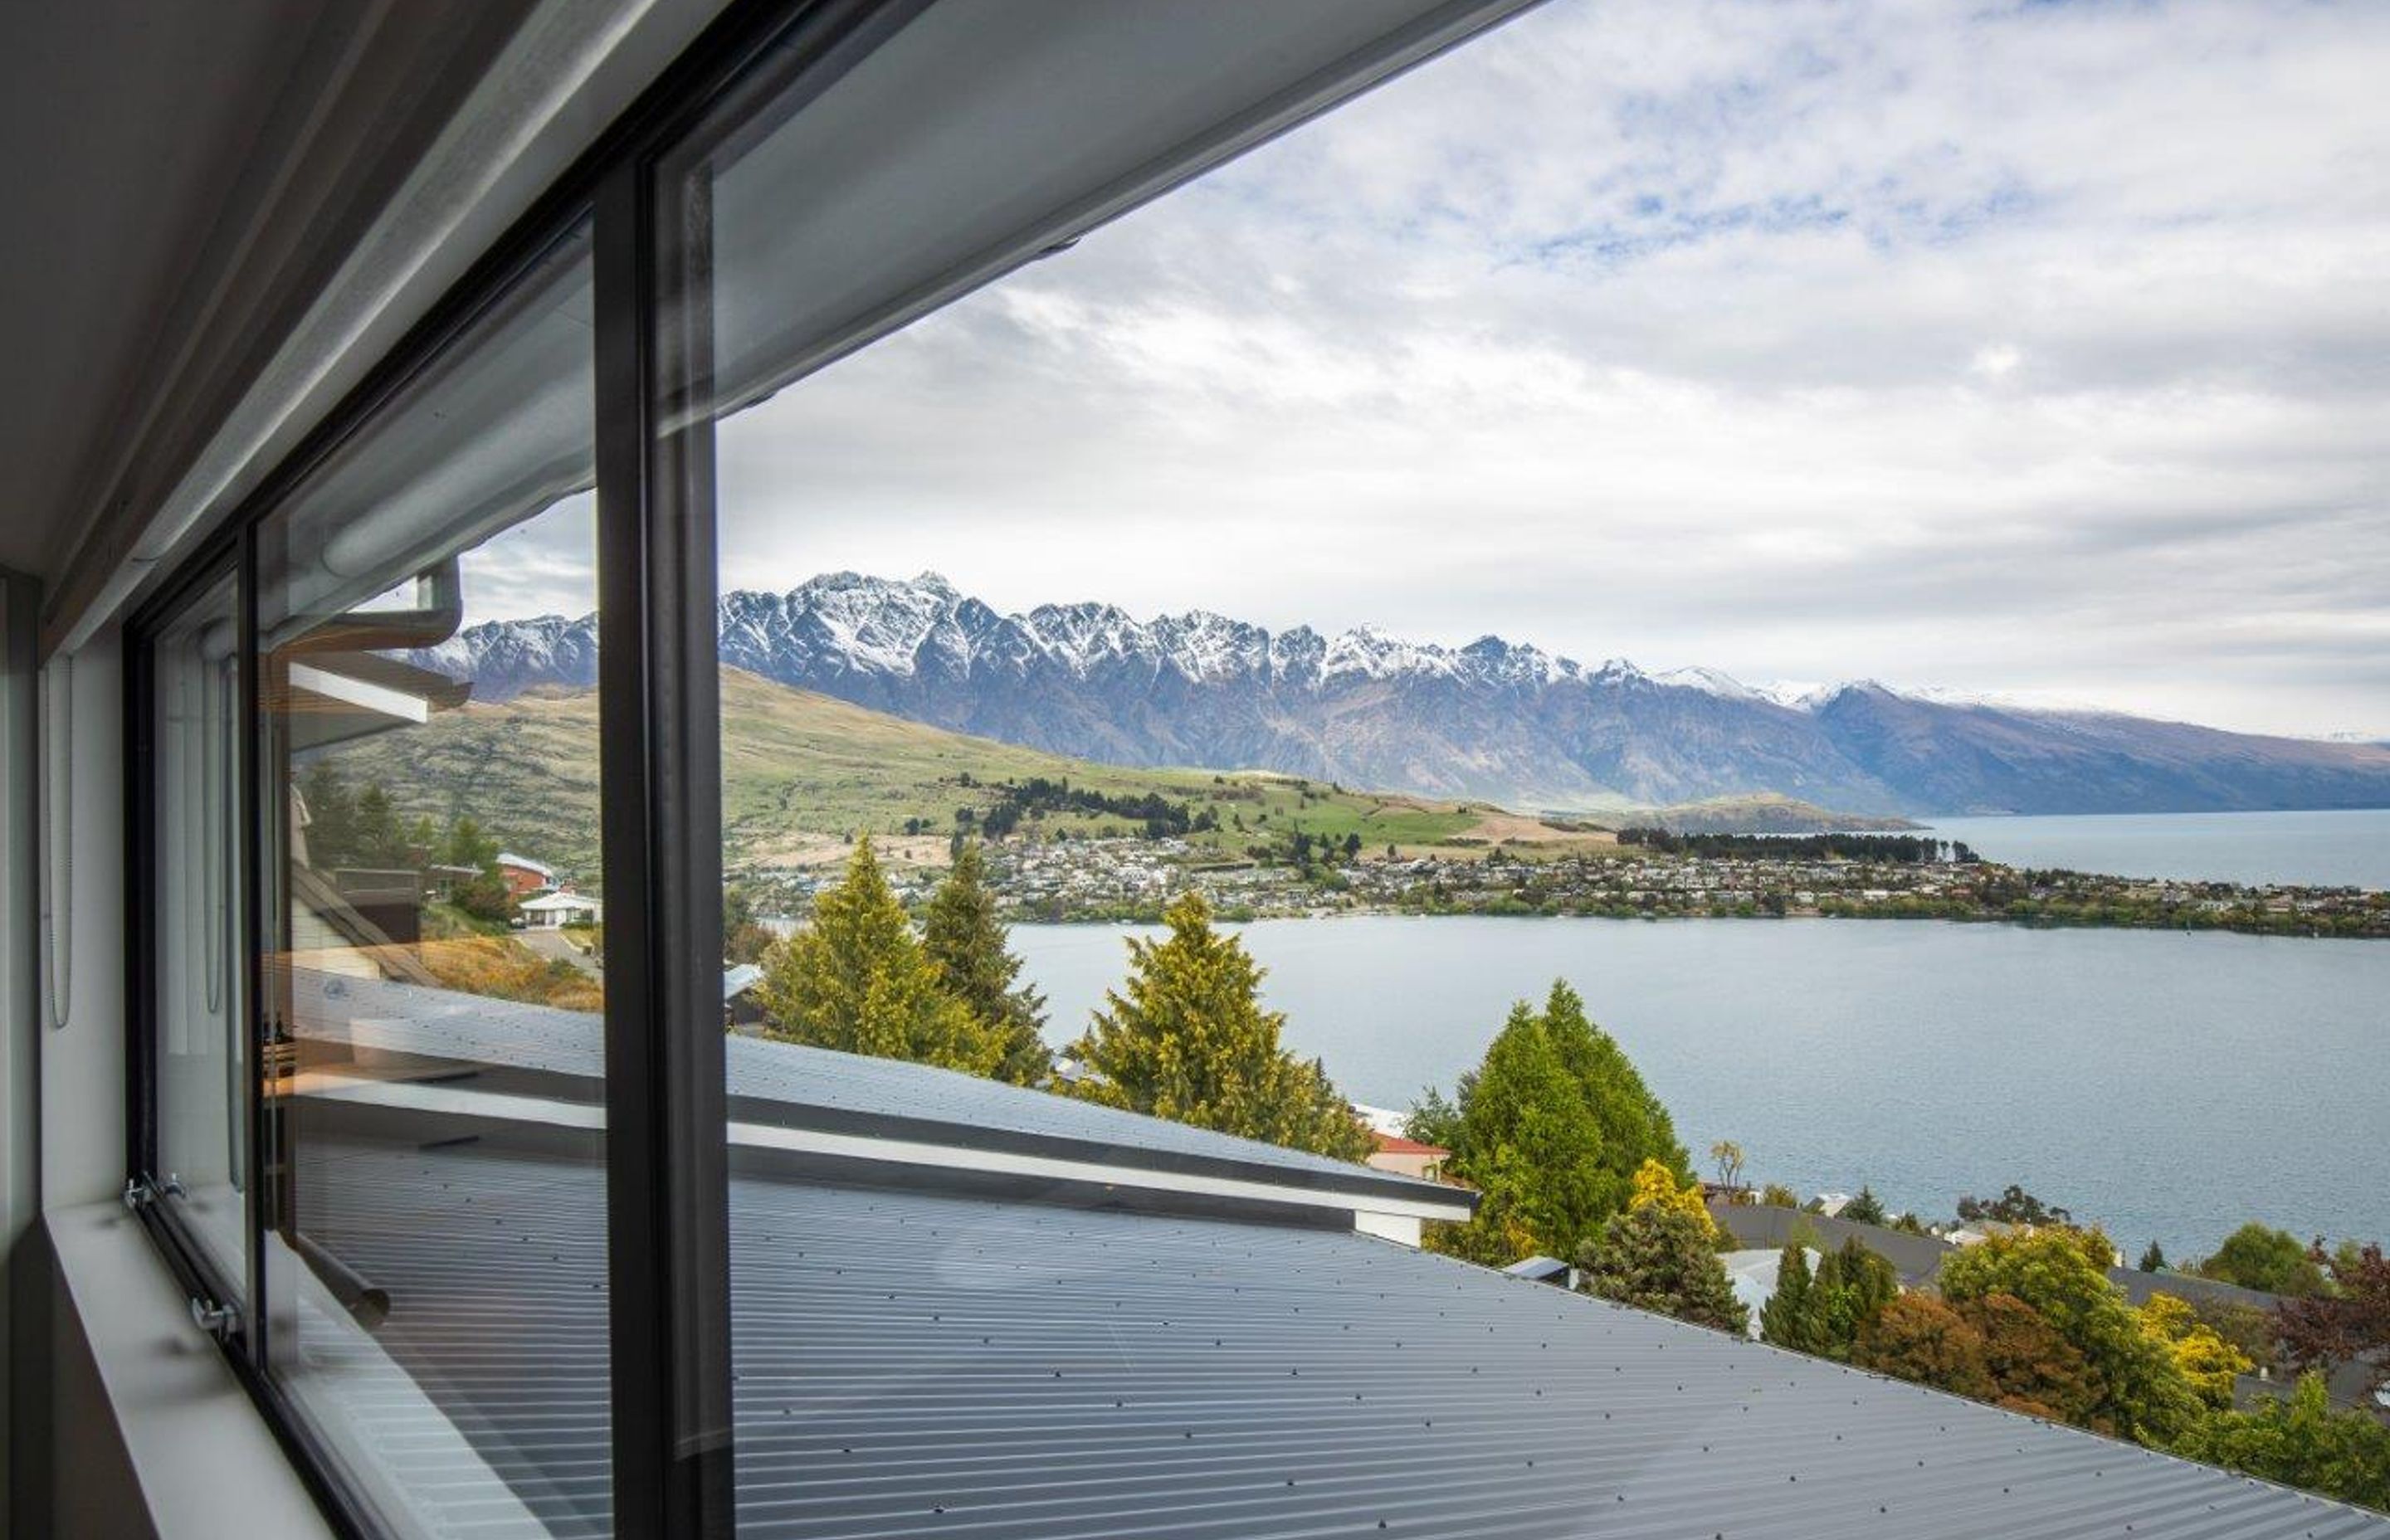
<point>2035,347</point>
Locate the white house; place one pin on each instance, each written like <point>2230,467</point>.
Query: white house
<point>551,910</point>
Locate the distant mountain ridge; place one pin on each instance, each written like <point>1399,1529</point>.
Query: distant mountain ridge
<point>1503,721</point>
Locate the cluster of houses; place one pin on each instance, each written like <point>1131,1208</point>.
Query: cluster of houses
<point>545,901</point>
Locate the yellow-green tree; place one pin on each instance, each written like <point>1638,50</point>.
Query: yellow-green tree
<point>1656,1188</point>
<point>2301,1442</point>
<point>2206,1360</point>
<point>964,941</point>
<point>856,979</point>
<point>2060,1275</point>
<point>1185,1038</point>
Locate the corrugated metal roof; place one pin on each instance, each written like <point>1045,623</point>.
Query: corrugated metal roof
<point>916,1365</point>
<point>794,1084</point>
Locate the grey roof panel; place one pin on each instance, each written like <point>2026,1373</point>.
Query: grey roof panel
<point>788,1082</point>
<point>920,1366</point>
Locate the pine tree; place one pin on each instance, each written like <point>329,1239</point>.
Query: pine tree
<point>1865,1209</point>
<point>1661,1258</point>
<point>1185,1038</point>
<point>467,846</point>
<point>2154,1259</point>
<point>379,841</point>
<point>331,816</point>
<point>965,942</point>
<point>856,979</point>
<point>1853,1286</point>
<point>1789,1318</point>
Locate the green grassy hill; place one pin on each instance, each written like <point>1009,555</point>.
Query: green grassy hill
<point>803,771</point>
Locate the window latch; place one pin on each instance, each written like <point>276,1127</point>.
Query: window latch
<point>136,1194</point>
<point>218,1321</point>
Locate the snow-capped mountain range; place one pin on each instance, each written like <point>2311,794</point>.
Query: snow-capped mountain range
<point>1502,721</point>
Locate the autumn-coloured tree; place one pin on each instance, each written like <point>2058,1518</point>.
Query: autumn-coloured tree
<point>1917,1337</point>
<point>2350,1324</point>
<point>2060,1275</point>
<point>1657,1187</point>
<point>2033,1367</point>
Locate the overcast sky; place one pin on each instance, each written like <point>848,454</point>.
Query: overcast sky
<point>2031,348</point>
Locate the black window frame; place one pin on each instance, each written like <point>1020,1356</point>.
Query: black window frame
<point>666,1165</point>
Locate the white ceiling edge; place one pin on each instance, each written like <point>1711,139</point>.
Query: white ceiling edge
<point>571,69</point>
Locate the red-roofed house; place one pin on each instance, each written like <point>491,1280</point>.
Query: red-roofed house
<point>1409,1157</point>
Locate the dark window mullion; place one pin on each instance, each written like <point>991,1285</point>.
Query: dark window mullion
<point>667,1175</point>
<point>249,940</point>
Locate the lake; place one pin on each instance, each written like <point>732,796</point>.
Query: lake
<point>2169,1085</point>
<point>2326,850</point>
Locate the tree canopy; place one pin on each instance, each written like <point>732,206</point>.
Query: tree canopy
<point>1825,1314</point>
<point>2302,1443</point>
<point>1186,1037</point>
<point>966,945</point>
<point>2270,1261</point>
<point>1919,1339</point>
<point>1551,1128</point>
<point>2013,1206</point>
<point>1865,1209</point>
<point>856,979</point>
<point>2060,1275</point>
<point>1661,1255</point>
<point>2349,1322</point>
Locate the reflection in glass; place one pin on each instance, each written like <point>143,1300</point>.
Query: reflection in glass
<point>436,1258</point>
<point>198,1018</point>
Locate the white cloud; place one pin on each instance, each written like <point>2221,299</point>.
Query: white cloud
<point>2036,346</point>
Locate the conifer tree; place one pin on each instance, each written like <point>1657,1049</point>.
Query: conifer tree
<point>856,979</point>
<point>1789,1318</point>
<point>965,942</point>
<point>1552,1129</point>
<point>1659,1257</point>
<point>1185,1038</point>
<point>331,816</point>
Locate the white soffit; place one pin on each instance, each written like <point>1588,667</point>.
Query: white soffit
<point>976,137</point>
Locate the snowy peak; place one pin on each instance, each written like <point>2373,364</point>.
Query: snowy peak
<point>1493,719</point>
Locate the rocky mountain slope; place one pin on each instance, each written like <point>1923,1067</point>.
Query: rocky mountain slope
<point>1497,720</point>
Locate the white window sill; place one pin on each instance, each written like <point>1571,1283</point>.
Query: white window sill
<point>207,1464</point>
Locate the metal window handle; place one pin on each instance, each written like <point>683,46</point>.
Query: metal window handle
<point>218,1321</point>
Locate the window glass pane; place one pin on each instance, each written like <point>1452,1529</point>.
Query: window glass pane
<point>938,1315</point>
<point>437,1257</point>
<point>198,1011</point>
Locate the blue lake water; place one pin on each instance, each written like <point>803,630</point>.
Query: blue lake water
<point>2169,1085</point>
<point>2341,849</point>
